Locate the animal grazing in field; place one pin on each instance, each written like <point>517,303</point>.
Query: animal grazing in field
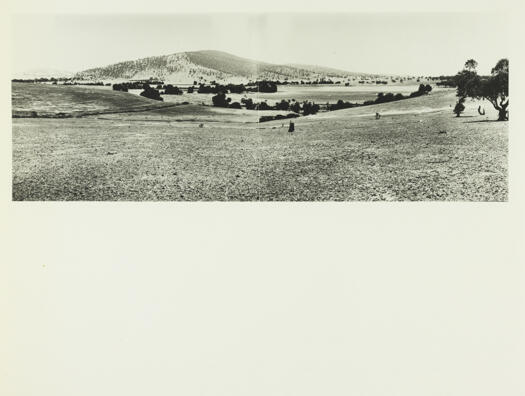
<point>378,116</point>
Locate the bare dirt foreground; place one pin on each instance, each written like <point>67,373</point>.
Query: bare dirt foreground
<point>418,150</point>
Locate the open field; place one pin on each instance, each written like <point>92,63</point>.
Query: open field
<point>418,150</point>
<point>46,100</point>
<point>317,93</point>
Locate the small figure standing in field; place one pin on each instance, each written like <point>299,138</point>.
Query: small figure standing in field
<point>291,128</point>
<point>378,116</point>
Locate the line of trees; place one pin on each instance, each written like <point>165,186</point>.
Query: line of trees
<point>133,85</point>
<point>171,90</point>
<point>307,107</point>
<point>278,117</point>
<point>258,86</point>
<point>55,81</point>
<point>40,80</point>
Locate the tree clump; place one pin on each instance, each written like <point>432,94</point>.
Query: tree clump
<point>151,93</point>
<point>120,87</point>
<point>171,90</point>
<point>460,107</point>
<point>494,88</point>
<point>220,100</point>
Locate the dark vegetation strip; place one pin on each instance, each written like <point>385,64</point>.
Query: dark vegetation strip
<point>308,108</point>
<point>77,114</point>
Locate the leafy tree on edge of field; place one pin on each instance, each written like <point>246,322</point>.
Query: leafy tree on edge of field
<point>494,88</point>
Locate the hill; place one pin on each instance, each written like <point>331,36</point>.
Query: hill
<point>46,100</point>
<point>186,67</point>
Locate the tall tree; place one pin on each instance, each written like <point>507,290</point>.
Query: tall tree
<point>471,65</point>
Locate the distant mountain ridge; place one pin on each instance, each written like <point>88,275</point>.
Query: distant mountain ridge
<point>42,73</point>
<point>186,67</point>
<point>329,71</point>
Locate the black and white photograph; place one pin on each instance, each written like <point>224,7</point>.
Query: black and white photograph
<point>271,198</point>
<point>260,107</point>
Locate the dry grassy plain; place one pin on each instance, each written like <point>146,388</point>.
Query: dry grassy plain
<point>51,100</point>
<point>418,150</point>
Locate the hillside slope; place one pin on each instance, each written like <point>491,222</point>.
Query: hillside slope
<point>186,67</point>
<point>44,100</point>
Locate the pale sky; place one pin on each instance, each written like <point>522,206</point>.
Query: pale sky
<point>409,43</point>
